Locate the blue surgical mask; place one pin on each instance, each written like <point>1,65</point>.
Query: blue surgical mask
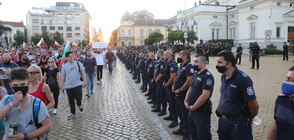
<point>287,88</point>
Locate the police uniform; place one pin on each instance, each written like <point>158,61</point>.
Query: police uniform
<point>160,91</point>
<point>235,93</point>
<point>206,48</point>
<point>184,71</point>
<point>199,120</point>
<point>284,116</point>
<point>152,85</point>
<point>171,68</point>
<point>255,56</point>
<point>285,52</point>
<point>238,56</point>
<point>143,71</point>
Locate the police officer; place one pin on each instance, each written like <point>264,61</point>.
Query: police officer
<point>143,70</point>
<point>198,100</point>
<point>180,87</point>
<point>138,75</point>
<point>152,84</point>
<point>136,61</point>
<point>168,77</point>
<point>239,54</point>
<point>237,105</point>
<point>285,51</point>
<point>283,125</point>
<point>206,53</point>
<point>255,52</point>
<point>161,103</point>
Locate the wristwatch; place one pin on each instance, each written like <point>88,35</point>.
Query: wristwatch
<point>26,136</point>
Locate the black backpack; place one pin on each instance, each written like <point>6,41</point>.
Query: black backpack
<point>51,81</point>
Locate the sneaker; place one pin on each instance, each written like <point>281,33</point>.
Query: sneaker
<point>87,95</point>
<point>50,109</point>
<point>71,116</point>
<point>54,111</point>
<point>81,108</point>
<point>98,82</point>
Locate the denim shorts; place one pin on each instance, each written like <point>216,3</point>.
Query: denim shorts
<point>2,127</point>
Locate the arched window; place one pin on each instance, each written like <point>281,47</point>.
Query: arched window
<point>122,33</point>
<point>141,33</point>
<point>130,33</point>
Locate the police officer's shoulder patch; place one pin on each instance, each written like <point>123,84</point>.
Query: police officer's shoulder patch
<point>209,82</point>
<point>192,70</point>
<point>244,74</point>
<point>208,73</point>
<point>171,69</point>
<point>161,67</point>
<point>250,90</point>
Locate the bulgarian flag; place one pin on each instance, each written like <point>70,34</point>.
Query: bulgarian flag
<point>57,44</point>
<point>40,43</point>
<point>63,56</point>
<point>75,44</point>
<point>25,46</point>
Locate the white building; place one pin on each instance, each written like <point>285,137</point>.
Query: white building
<point>70,19</point>
<point>10,30</point>
<point>245,21</point>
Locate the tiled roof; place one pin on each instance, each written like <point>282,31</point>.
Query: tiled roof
<point>153,22</point>
<point>15,24</point>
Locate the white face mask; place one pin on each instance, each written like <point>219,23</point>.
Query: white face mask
<point>50,64</point>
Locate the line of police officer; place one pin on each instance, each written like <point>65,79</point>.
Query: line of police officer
<point>188,93</point>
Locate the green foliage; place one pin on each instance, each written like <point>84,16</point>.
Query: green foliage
<point>182,47</point>
<point>58,38</point>
<point>178,35</point>
<point>272,51</point>
<point>230,41</point>
<point>141,14</point>
<point>113,38</point>
<point>47,38</point>
<point>19,37</point>
<point>271,46</point>
<point>291,49</point>
<point>35,39</point>
<point>153,37</point>
<point>25,35</point>
<point>84,43</point>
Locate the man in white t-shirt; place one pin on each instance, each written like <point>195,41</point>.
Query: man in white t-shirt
<point>100,62</point>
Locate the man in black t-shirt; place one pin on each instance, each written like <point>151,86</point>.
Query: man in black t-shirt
<point>24,61</point>
<point>239,52</point>
<point>285,51</point>
<point>255,52</point>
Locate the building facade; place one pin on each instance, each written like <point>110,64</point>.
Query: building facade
<point>70,19</point>
<point>10,29</point>
<point>244,21</point>
<point>134,32</point>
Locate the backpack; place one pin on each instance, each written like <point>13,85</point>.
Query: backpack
<point>36,109</point>
<point>51,81</point>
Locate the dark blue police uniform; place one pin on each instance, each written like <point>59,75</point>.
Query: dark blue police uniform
<point>152,85</point>
<point>284,116</point>
<point>160,90</point>
<point>255,56</point>
<point>199,119</point>
<point>184,71</point>
<point>173,68</point>
<point>235,93</point>
<point>143,71</point>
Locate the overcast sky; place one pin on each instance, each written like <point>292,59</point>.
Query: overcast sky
<point>105,13</point>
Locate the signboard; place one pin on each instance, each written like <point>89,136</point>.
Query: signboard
<point>267,37</point>
<point>185,35</point>
<point>268,32</point>
<point>99,45</point>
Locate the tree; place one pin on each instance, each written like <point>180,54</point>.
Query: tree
<point>47,38</point>
<point>113,38</point>
<point>141,14</point>
<point>83,43</point>
<point>19,37</point>
<point>176,36</point>
<point>25,35</point>
<point>35,39</point>
<point>153,37</point>
<point>58,38</point>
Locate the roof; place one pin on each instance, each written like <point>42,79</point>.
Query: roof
<point>154,22</point>
<point>15,24</point>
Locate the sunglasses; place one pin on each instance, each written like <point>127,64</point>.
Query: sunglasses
<point>50,61</point>
<point>34,72</point>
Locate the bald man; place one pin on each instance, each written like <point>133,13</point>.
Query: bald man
<point>5,67</point>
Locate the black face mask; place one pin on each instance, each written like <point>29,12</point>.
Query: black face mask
<point>179,60</point>
<point>197,68</point>
<point>166,59</point>
<point>8,62</point>
<point>158,58</point>
<point>23,90</point>
<point>221,69</point>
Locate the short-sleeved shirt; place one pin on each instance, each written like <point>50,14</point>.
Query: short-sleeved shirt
<point>72,74</point>
<point>200,82</point>
<point>255,50</point>
<point>151,68</point>
<point>25,120</point>
<point>23,64</point>
<point>184,71</point>
<point>239,49</point>
<point>284,114</point>
<point>142,63</point>
<point>90,64</point>
<point>5,78</point>
<point>235,92</point>
<point>285,48</point>
<point>160,67</point>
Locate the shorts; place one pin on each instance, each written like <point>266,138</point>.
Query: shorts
<point>2,127</point>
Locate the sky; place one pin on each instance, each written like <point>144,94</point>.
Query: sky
<point>105,13</point>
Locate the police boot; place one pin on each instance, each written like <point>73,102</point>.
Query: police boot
<point>162,113</point>
<point>174,123</point>
<point>178,132</point>
<point>144,90</point>
<point>186,137</point>
<point>168,118</point>
<point>151,102</point>
<point>156,110</point>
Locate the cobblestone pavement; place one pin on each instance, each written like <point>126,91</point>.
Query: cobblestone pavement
<point>118,110</point>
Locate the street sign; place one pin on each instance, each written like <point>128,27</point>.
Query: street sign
<point>267,37</point>
<point>185,35</point>
<point>268,32</point>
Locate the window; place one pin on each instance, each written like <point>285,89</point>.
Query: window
<point>44,28</point>
<point>77,15</point>
<point>142,42</point>
<point>69,35</point>
<point>68,16</point>
<point>141,33</point>
<point>150,31</point>
<point>59,15</point>
<point>52,21</point>
<point>43,21</point>
<point>52,34</point>
<point>231,33</point>
<point>35,28</point>
<point>234,33</point>
<point>130,33</point>
<point>278,32</point>
<point>78,34</point>
<point>217,33</point>
<point>158,30</point>
<point>52,27</point>
<point>61,34</point>
<point>68,22</point>
<point>59,22</point>
<point>291,4</point>
<point>214,16</point>
<point>252,30</point>
<point>77,28</point>
<point>68,29</point>
<point>60,28</point>
<point>122,33</point>
<point>35,21</point>
<point>212,33</point>
<point>279,3</point>
<point>78,22</point>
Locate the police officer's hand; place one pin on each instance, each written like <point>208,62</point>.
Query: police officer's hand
<point>173,89</point>
<point>177,91</point>
<point>17,98</point>
<point>192,108</point>
<point>18,136</point>
<point>186,105</point>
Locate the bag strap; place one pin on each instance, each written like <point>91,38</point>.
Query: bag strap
<point>36,109</point>
<point>79,67</point>
<point>9,99</point>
